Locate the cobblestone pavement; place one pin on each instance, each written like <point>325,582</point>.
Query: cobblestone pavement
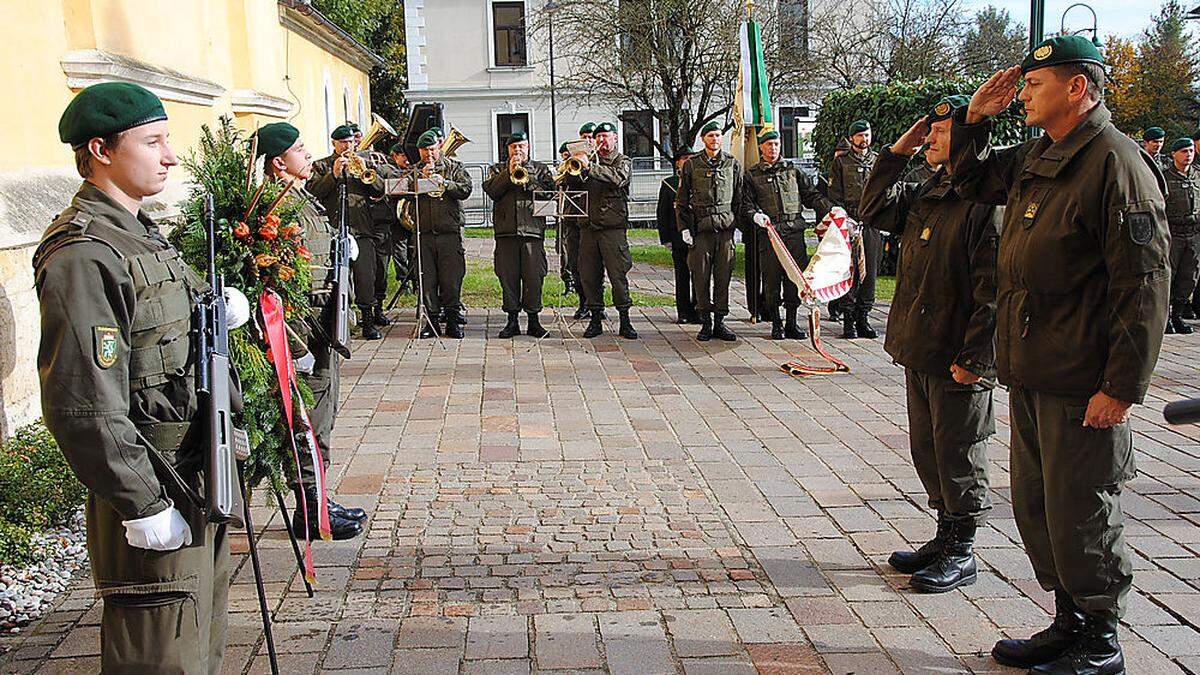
<point>659,505</point>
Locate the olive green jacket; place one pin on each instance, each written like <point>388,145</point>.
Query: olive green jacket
<point>323,185</point>
<point>944,310</point>
<point>444,214</point>
<point>709,198</point>
<point>847,178</point>
<point>1082,268</point>
<point>606,181</point>
<point>1183,199</point>
<point>781,190</point>
<point>512,206</point>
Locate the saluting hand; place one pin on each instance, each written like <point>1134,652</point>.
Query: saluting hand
<point>912,139</point>
<point>993,96</point>
<point>1104,411</point>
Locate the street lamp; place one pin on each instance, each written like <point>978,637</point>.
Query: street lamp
<point>551,8</point>
<point>1062,25</point>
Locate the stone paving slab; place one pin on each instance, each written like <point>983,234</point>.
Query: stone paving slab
<point>658,506</point>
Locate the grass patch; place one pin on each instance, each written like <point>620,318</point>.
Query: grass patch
<point>634,233</point>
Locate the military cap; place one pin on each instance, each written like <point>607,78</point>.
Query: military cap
<point>711,126</point>
<point>341,133</point>
<point>944,108</point>
<point>605,127</point>
<point>681,153</point>
<point>353,126</point>
<point>275,138</point>
<point>1062,49</point>
<point>858,126</point>
<point>108,108</point>
<point>1154,134</point>
<point>437,131</point>
<point>1179,144</point>
<point>428,138</point>
<point>562,147</point>
<point>587,128</point>
<point>397,148</point>
<point>517,137</point>
<point>769,135</point>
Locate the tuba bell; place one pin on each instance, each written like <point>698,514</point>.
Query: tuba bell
<point>378,129</point>
<point>453,141</point>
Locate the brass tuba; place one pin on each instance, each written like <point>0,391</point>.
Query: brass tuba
<point>358,165</point>
<point>453,141</point>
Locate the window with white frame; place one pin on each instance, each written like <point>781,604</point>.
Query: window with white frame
<point>793,27</point>
<point>506,125</point>
<point>329,125</point>
<point>508,34</point>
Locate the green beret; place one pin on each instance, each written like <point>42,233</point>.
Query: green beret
<point>397,148</point>
<point>858,126</point>
<point>562,147</point>
<point>681,153</point>
<point>428,138</point>
<point>275,138</point>
<point>353,126</point>
<point>341,133</point>
<point>711,126</point>
<point>605,127</point>
<point>1062,49</point>
<point>437,132</point>
<point>1179,144</point>
<point>587,128</point>
<point>1154,134</point>
<point>517,137</point>
<point>944,108</point>
<point>108,108</point>
<point>768,136</point>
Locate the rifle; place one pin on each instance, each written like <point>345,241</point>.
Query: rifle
<point>340,332</point>
<point>223,489</point>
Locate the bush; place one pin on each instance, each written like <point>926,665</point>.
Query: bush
<point>892,108</point>
<point>37,491</point>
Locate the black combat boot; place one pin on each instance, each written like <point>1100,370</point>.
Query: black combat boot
<point>626,329</point>
<point>454,330</point>
<point>341,528</point>
<point>1187,312</point>
<point>380,318</point>
<point>456,316</point>
<point>1177,323</point>
<point>511,327</point>
<point>776,326</point>
<point>912,561</point>
<point>849,330</point>
<point>430,329</point>
<point>1096,652</point>
<point>720,330</point>
<point>582,312</point>
<point>862,327</point>
<point>706,327</point>
<point>792,329</point>
<point>596,325</point>
<point>348,512</point>
<point>1045,645</point>
<point>835,311</point>
<point>370,331</point>
<point>534,326</point>
<point>954,565</point>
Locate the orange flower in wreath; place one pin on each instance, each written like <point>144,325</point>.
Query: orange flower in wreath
<point>303,252</point>
<point>241,230</point>
<point>268,232</point>
<point>265,260</point>
<point>289,231</point>
<point>286,273</point>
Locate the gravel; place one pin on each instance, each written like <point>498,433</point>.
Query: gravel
<point>27,592</point>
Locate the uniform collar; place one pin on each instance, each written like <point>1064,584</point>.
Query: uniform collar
<point>1049,158</point>
<point>940,186</point>
<point>93,199</point>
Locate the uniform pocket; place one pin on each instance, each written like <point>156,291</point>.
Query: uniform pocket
<point>1097,457</point>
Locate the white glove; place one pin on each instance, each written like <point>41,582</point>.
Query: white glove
<point>353,244</point>
<point>737,236</point>
<point>305,364</point>
<point>761,219</point>
<point>163,531</point>
<point>687,238</point>
<point>237,308</point>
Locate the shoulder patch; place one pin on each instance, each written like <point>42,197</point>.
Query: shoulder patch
<point>1141,227</point>
<point>106,343</point>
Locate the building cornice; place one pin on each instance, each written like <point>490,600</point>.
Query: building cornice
<point>254,101</point>
<point>85,67</point>
<point>300,17</point>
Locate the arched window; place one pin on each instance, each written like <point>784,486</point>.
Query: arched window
<point>329,123</point>
<point>346,102</point>
<point>363,114</point>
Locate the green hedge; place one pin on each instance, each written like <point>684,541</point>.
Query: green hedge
<point>37,491</point>
<point>892,108</point>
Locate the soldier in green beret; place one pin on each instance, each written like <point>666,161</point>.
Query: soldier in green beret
<point>940,329</point>
<point>286,159</point>
<point>776,191</point>
<point>1152,141</point>
<point>520,254</point>
<point>1183,219</point>
<point>1084,219</point>
<point>587,130</point>
<point>119,392</point>
<point>669,236</point>
<point>569,230</point>
<point>440,222</point>
<point>708,203</point>
<point>846,180</point>
<point>369,268</point>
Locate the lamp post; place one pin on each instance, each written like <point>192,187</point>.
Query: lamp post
<point>1062,25</point>
<point>551,8</point>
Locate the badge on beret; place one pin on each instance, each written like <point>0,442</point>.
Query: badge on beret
<point>941,109</point>
<point>106,341</point>
<point>1042,53</point>
<point>1141,228</point>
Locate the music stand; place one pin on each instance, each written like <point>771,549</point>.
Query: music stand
<point>560,204</point>
<point>413,185</point>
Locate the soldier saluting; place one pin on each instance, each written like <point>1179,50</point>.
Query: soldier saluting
<point>119,391</point>
<point>1085,237</point>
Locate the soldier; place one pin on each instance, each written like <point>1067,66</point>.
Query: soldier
<point>709,199</point>
<point>402,227</point>
<point>285,158</point>
<point>1183,214</point>
<point>520,255</point>
<point>370,279</point>
<point>440,221</point>
<point>1152,142</point>
<point>847,177</point>
<point>1085,236</point>
<point>669,236</point>
<point>587,131</point>
<point>603,244</point>
<point>940,330</point>
<point>570,229</point>
<point>118,391</point>
<point>775,191</point>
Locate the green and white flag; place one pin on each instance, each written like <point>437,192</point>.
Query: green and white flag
<point>755,94</point>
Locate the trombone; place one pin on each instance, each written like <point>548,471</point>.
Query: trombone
<point>356,164</point>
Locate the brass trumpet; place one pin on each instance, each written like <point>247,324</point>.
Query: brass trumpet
<point>519,175</point>
<point>356,165</point>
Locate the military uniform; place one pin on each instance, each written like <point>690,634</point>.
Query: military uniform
<point>668,235</point>
<point>603,244</point>
<point>707,204</point>
<point>781,191</point>
<point>443,258</point>
<point>1183,219</point>
<point>520,253</point>
<point>118,393</point>
<point>1085,236</point>
<point>846,180</point>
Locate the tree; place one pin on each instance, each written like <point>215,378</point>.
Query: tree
<point>994,42</point>
<point>1121,93</point>
<point>378,24</point>
<point>1169,68</point>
